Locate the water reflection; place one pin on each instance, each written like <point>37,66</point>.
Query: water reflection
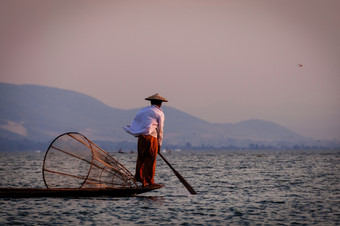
<point>236,188</point>
<point>159,200</point>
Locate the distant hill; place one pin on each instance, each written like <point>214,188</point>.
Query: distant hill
<point>39,114</point>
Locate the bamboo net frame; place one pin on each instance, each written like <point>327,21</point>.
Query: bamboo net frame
<point>73,161</point>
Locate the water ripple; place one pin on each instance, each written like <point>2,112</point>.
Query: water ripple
<point>236,188</point>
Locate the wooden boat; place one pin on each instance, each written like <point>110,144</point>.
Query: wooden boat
<point>74,166</point>
<point>73,192</point>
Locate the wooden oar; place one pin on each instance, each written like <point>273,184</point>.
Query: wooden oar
<point>184,182</point>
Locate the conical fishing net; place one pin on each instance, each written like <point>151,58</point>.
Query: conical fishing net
<point>73,161</point>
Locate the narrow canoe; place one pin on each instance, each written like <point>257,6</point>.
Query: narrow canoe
<point>73,192</point>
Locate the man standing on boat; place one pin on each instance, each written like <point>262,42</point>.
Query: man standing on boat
<point>148,127</point>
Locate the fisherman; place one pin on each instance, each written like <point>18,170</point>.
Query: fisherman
<point>148,127</point>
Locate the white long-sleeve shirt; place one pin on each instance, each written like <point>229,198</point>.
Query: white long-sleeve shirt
<point>148,121</point>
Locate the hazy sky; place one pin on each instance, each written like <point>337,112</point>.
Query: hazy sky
<point>222,61</point>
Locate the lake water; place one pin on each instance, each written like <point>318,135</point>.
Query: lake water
<point>234,188</point>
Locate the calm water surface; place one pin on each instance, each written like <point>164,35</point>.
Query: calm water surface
<point>234,188</point>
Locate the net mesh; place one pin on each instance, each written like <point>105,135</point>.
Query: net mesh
<point>73,161</point>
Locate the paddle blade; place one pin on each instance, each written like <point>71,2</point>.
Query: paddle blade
<point>185,183</point>
<point>179,176</point>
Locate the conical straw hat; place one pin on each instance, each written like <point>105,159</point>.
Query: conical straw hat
<point>156,97</point>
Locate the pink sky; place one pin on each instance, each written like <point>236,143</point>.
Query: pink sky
<point>222,61</point>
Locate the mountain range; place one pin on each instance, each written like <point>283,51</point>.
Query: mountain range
<point>34,113</point>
